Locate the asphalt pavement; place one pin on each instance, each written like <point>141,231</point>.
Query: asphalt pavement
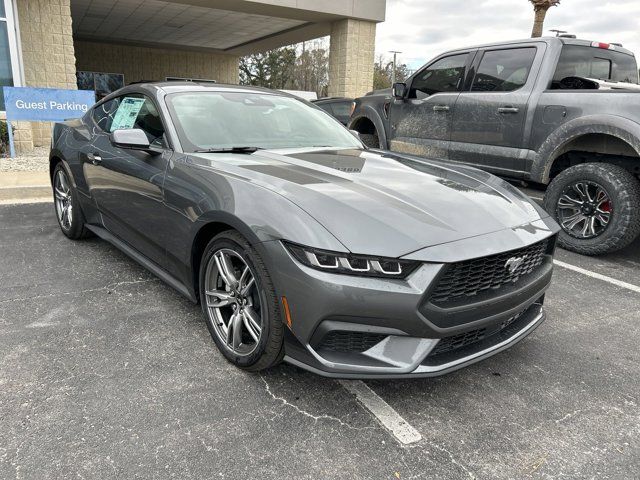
<point>106,372</point>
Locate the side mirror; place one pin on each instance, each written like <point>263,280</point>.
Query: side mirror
<point>399,90</point>
<point>133,139</point>
<point>356,134</point>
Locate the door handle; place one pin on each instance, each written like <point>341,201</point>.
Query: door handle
<point>441,108</point>
<point>508,110</point>
<point>94,158</point>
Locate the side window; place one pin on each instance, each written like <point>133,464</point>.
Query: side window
<point>138,111</point>
<point>103,114</point>
<point>504,70</point>
<point>327,108</point>
<point>342,109</point>
<point>444,75</point>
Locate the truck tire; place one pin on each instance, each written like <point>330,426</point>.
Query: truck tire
<point>370,140</point>
<point>596,204</point>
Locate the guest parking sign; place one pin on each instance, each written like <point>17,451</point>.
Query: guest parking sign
<point>45,104</point>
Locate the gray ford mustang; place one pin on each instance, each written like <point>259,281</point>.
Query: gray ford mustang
<point>300,243</point>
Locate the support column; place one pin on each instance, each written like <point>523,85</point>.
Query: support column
<point>48,58</point>
<point>351,58</point>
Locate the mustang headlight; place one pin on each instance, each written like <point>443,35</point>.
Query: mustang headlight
<point>348,264</point>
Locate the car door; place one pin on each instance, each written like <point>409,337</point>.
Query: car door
<point>421,123</point>
<point>489,118</point>
<point>127,184</point>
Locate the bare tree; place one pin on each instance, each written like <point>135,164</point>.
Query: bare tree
<point>540,8</point>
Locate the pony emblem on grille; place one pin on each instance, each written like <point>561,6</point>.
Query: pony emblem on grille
<point>513,264</point>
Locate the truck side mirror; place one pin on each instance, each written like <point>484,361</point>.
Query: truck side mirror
<point>399,90</point>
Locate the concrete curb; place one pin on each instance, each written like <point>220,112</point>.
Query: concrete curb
<point>18,187</point>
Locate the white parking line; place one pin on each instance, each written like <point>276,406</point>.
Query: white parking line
<point>604,278</point>
<point>380,409</point>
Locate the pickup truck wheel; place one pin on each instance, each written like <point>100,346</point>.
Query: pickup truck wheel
<point>596,204</point>
<point>371,140</point>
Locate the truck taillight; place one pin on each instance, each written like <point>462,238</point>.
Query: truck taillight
<point>605,46</point>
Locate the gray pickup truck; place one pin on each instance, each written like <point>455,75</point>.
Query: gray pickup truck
<point>556,111</point>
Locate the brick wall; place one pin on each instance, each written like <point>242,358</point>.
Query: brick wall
<point>351,58</point>
<point>146,63</point>
<point>48,59</point>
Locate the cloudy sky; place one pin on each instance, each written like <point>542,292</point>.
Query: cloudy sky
<point>422,29</point>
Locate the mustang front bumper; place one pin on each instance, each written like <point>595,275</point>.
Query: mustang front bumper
<point>356,327</point>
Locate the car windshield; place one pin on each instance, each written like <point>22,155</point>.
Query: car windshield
<point>223,120</point>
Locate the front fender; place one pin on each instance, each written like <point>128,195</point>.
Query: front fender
<point>615,126</point>
<point>263,215</point>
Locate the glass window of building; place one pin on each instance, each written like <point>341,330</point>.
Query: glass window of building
<point>8,49</point>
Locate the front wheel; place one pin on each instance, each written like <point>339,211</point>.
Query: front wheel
<point>240,303</point>
<point>596,204</point>
<point>65,199</point>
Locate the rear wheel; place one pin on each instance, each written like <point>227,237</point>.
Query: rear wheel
<point>371,140</point>
<point>240,303</point>
<point>65,199</point>
<point>596,204</point>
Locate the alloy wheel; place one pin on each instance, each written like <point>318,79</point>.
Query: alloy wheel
<point>63,200</point>
<point>584,210</point>
<point>233,301</point>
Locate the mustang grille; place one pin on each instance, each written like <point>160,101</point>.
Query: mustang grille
<point>469,278</point>
<point>343,341</point>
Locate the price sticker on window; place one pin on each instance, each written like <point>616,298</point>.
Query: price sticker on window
<point>127,113</point>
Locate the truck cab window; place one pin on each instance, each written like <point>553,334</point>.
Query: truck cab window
<point>504,70</point>
<point>596,63</point>
<point>444,75</point>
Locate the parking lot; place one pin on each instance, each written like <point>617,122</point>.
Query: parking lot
<point>106,372</point>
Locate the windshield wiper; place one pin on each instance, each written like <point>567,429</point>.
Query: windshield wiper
<point>229,150</point>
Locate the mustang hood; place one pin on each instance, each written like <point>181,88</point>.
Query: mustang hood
<point>386,204</point>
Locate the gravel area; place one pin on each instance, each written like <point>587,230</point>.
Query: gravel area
<point>36,161</point>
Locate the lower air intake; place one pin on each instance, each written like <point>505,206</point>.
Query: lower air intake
<point>339,341</point>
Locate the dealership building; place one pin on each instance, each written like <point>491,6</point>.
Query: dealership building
<point>103,44</point>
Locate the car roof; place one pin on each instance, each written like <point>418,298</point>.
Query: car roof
<point>547,40</point>
<point>152,88</point>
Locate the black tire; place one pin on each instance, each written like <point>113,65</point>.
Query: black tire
<point>371,140</point>
<point>269,350</point>
<point>76,230</point>
<point>623,190</point>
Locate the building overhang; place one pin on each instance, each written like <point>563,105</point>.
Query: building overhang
<point>236,27</point>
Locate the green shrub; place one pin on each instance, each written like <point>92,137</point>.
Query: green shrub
<point>4,139</point>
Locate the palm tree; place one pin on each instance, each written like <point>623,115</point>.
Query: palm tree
<point>540,8</point>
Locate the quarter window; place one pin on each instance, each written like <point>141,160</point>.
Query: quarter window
<point>504,70</point>
<point>103,114</point>
<point>444,75</point>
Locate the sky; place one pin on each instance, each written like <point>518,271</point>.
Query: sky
<point>422,29</point>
